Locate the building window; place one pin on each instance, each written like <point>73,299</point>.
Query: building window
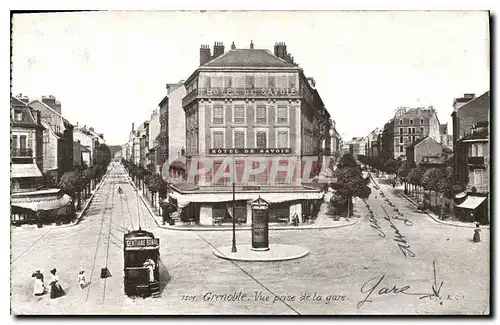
<point>18,116</point>
<point>476,150</point>
<point>400,122</point>
<point>239,114</point>
<point>22,142</point>
<point>14,141</point>
<point>218,114</point>
<point>421,121</point>
<point>282,138</point>
<point>261,114</point>
<point>239,139</point>
<point>400,139</point>
<point>401,149</point>
<point>271,82</point>
<point>421,130</point>
<point>218,139</point>
<point>411,121</point>
<point>282,114</point>
<point>250,81</point>
<point>261,139</point>
<point>478,178</point>
<point>413,130</point>
<point>400,130</point>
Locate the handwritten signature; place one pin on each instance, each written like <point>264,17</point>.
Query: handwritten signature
<point>400,239</point>
<point>370,288</point>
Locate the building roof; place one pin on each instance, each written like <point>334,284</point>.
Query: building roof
<point>27,118</point>
<point>417,112</point>
<point>249,58</point>
<point>484,97</point>
<point>480,134</point>
<point>412,145</point>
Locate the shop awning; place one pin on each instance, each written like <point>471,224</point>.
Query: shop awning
<point>38,203</point>
<point>25,170</point>
<point>460,195</point>
<point>184,199</point>
<point>472,202</point>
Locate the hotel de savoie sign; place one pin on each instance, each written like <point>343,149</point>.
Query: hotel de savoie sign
<point>250,151</point>
<point>250,92</point>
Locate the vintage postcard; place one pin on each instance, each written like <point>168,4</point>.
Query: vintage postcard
<point>250,163</point>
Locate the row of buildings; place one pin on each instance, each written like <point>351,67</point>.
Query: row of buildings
<point>253,103</point>
<point>45,145</point>
<point>416,135</point>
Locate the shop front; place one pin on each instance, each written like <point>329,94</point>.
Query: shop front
<point>205,206</point>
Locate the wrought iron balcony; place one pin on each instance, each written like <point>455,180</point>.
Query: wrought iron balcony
<point>21,152</point>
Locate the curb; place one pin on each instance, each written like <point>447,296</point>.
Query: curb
<point>434,218</point>
<point>441,221</point>
<point>249,227</point>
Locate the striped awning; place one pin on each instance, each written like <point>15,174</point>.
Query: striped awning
<point>40,202</point>
<point>25,170</point>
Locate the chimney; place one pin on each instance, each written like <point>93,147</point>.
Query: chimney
<point>280,50</point>
<point>132,126</point>
<point>233,46</point>
<point>52,103</point>
<point>251,45</point>
<point>218,49</point>
<point>204,54</point>
<point>469,96</point>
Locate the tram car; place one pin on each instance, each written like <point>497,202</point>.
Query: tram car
<point>141,256</point>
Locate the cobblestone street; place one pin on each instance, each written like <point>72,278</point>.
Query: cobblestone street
<point>345,272</point>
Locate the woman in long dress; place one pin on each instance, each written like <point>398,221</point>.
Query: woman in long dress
<point>38,287</point>
<point>150,265</point>
<point>56,290</point>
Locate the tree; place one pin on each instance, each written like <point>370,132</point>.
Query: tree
<point>403,172</point>
<point>103,155</point>
<point>350,178</point>
<point>72,183</point>
<point>430,180</point>
<point>415,177</point>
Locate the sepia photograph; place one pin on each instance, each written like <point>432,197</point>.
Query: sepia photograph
<point>250,163</point>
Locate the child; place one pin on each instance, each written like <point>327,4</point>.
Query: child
<point>81,280</point>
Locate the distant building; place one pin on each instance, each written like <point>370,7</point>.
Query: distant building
<point>373,145</point>
<point>173,128</point>
<point>445,138</point>
<point>154,160</point>
<point>412,124</point>
<point>26,150</point>
<point>57,138</point>
<point>90,140</point>
<point>425,151</point>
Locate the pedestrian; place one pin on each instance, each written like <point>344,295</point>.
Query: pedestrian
<point>56,290</point>
<point>477,238</point>
<point>38,286</point>
<point>81,279</point>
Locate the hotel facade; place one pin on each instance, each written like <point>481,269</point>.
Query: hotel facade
<point>256,108</point>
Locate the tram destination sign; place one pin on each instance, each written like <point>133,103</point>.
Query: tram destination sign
<point>142,242</point>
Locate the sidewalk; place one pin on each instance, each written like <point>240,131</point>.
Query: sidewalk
<point>323,221</point>
<point>429,213</point>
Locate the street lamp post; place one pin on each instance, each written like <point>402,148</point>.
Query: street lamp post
<point>233,249</point>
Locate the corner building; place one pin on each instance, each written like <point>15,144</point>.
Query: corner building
<point>251,100</point>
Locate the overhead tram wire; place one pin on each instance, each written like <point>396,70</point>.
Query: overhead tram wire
<point>99,239</point>
<point>109,237</point>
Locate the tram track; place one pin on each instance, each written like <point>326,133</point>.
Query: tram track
<point>112,195</point>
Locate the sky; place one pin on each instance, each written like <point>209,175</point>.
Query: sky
<point>109,69</point>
